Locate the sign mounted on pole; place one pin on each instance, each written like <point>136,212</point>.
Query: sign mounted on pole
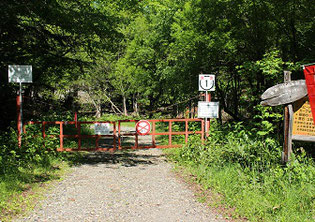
<point>208,109</point>
<point>206,82</point>
<point>284,93</point>
<point>143,127</point>
<point>20,73</point>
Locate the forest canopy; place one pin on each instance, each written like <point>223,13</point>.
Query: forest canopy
<point>142,56</point>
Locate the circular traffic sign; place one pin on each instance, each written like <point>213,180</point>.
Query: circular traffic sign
<point>206,82</point>
<point>143,127</point>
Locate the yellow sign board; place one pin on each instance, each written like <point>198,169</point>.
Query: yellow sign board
<point>303,121</point>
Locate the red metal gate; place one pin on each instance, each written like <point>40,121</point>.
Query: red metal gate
<point>154,133</point>
<point>116,138</point>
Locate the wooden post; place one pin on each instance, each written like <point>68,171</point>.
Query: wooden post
<point>288,123</point>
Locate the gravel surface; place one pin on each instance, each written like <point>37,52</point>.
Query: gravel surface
<point>133,186</point>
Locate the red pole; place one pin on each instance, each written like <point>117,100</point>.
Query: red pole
<point>76,119</point>
<point>114,136</point>
<point>170,133</point>
<point>208,124</point>
<point>19,119</point>
<point>153,134</point>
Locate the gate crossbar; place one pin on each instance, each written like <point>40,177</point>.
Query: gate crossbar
<point>117,136</point>
<point>78,136</point>
<point>153,133</point>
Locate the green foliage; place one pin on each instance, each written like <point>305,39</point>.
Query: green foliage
<point>244,165</point>
<point>22,168</point>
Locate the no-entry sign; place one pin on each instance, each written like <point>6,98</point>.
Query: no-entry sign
<point>143,127</point>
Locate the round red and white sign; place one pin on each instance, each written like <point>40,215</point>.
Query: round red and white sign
<point>143,127</point>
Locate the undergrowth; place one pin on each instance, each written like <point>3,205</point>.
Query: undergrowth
<point>243,164</point>
<point>24,168</point>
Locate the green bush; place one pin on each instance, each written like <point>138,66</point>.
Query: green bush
<point>243,162</point>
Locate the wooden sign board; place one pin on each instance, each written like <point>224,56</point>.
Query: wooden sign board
<point>303,126</point>
<point>284,93</point>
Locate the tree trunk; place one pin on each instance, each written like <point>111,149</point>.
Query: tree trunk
<point>98,111</point>
<point>135,105</point>
<point>125,106</point>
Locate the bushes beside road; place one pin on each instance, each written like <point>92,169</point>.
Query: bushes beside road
<point>243,164</point>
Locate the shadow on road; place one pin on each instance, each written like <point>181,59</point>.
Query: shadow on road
<point>128,158</point>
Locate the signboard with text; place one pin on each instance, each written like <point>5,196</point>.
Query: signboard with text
<point>208,109</point>
<point>303,125</point>
<point>102,128</point>
<point>20,73</point>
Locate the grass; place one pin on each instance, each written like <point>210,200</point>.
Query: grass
<point>21,190</point>
<point>247,174</point>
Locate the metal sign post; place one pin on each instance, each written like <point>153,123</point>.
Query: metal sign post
<point>21,116</point>
<point>206,119</point>
<point>206,83</point>
<point>20,74</point>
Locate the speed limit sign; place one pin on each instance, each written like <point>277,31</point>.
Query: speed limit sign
<point>143,127</point>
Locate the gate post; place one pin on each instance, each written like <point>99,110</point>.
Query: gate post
<point>170,133</point>
<point>61,135</point>
<point>186,131</point>
<point>114,136</point>
<point>153,134</point>
<point>78,125</point>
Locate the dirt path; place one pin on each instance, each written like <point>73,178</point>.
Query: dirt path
<point>134,186</point>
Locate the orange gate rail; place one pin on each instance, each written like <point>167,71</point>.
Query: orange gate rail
<point>117,136</point>
<point>154,133</point>
<point>78,136</point>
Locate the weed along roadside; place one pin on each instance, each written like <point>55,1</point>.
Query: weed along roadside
<point>247,171</point>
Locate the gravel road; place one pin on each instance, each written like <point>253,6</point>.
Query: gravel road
<point>133,186</point>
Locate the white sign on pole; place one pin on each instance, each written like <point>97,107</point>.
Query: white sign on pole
<point>20,73</point>
<point>206,82</point>
<point>208,109</point>
<point>102,128</point>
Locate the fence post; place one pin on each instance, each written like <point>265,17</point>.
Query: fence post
<point>114,135</point>
<point>153,134</point>
<point>44,129</point>
<point>186,131</point>
<point>170,132</point>
<point>61,135</point>
<point>78,125</point>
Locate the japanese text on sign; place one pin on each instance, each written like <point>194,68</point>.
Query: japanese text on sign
<point>303,121</point>
<point>102,128</point>
<point>208,109</point>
